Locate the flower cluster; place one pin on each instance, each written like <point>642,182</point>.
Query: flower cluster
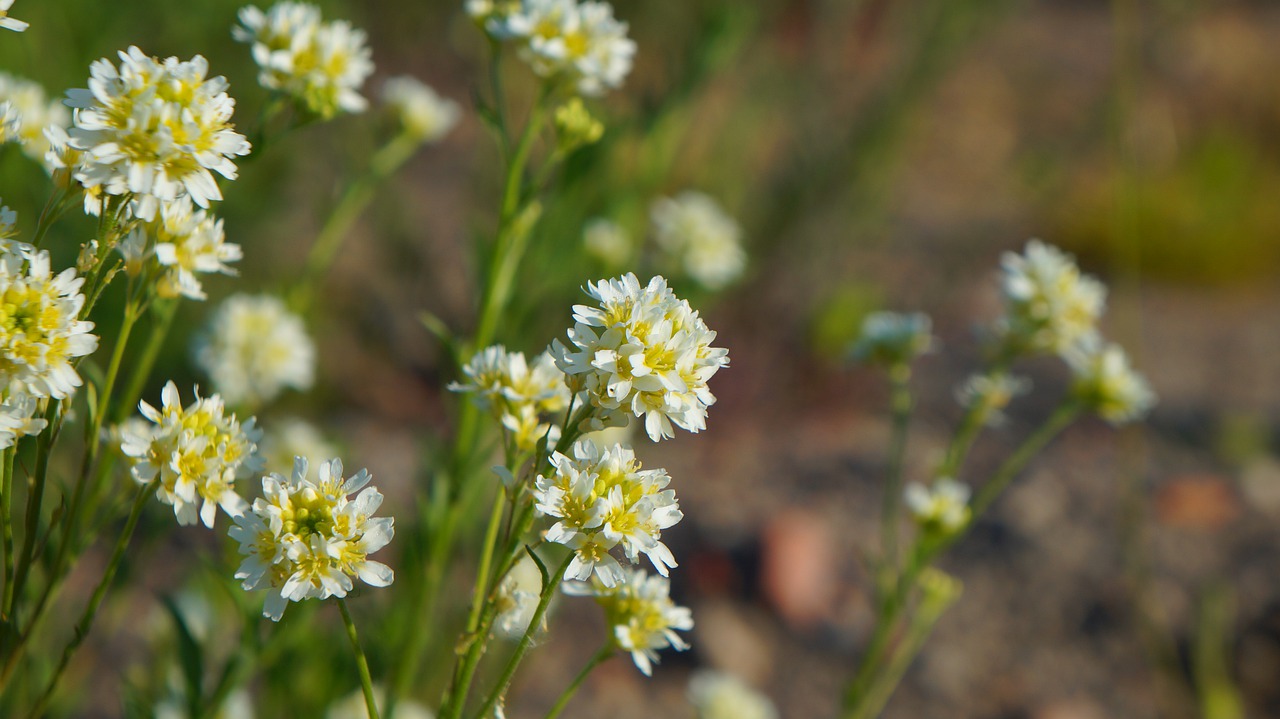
<point>603,499</point>
<point>988,394</point>
<point>943,507</point>
<point>184,242</point>
<point>580,43</point>
<point>29,112</point>
<point>320,65</point>
<point>642,615</point>
<point>420,111</point>
<point>723,696</point>
<point>1049,306</point>
<point>1105,382</point>
<point>693,230</point>
<point>893,339</point>
<point>644,351</point>
<point>607,241</point>
<point>41,332</point>
<point>196,452</point>
<point>304,539</point>
<point>255,348</point>
<point>518,394</point>
<point>155,131</point>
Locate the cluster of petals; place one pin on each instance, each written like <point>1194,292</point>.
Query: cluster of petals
<point>602,499</point>
<point>304,539</point>
<point>41,332</point>
<point>420,110</point>
<point>581,43</point>
<point>892,339</point>
<point>30,111</point>
<point>519,394</point>
<point>320,65</point>
<point>943,506</point>
<point>154,130</point>
<point>644,351</point>
<point>694,230</point>
<point>642,615</point>
<point>187,243</point>
<point>716,695</point>
<point>1108,385</point>
<point>987,395</point>
<point>1049,305</point>
<point>255,348</point>
<point>18,417</point>
<point>196,452</point>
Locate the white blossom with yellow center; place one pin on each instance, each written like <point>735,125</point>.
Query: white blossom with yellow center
<point>304,539</point>
<point>10,23</point>
<point>579,42</point>
<point>255,348</point>
<point>419,109</point>
<point>642,615</point>
<point>943,506</point>
<point>1108,385</point>
<point>33,111</point>
<point>40,330</point>
<point>1050,306</point>
<point>197,452</point>
<point>187,242</point>
<point>519,395</point>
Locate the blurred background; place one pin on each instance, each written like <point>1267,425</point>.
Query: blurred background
<point>878,155</point>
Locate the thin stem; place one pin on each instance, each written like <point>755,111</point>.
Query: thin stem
<point>366,681</point>
<point>486,560</point>
<point>91,609</point>
<point>6,533</point>
<point>599,658</point>
<point>509,671</point>
<point>35,498</point>
<point>901,400</point>
<point>163,314</point>
<point>1065,414</point>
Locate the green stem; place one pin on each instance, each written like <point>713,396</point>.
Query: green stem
<point>901,400</point>
<point>91,610</point>
<point>1064,415</point>
<point>486,560</point>
<point>6,533</point>
<point>509,671</point>
<point>163,314</point>
<point>600,657</point>
<point>366,681</point>
<point>53,209</point>
<point>350,206</point>
<point>35,499</point>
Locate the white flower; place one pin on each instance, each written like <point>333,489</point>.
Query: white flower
<point>893,338</point>
<point>602,499</point>
<point>419,109</point>
<point>1106,383</point>
<point>518,394</point>
<point>642,351</point>
<point>1049,305</point>
<point>10,23</point>
<point>581,43</point>
<point>40,330</point>
<point>187,242</point>
<point>696,232</point>
<point>717,695</point>
<point>518,596</point>
<point>988,394</point>
<point>154,130</point>
<point>943,506</point>
<point>320,65</point>
<point>352,706</point>
<point>304,539</point>
<point>290,437</point>
<point>18,418</point>
<point>31,112</point>
<point>643,617</point>
<point>197,451</point>
<point>254,348</point>
<point>9,230</point>
<point>607,241</point>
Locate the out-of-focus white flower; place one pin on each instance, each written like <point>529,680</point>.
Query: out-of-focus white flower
<point>9,230</point>
<point>581,43</point>
<point>892,339</point>
<point>643,617</point>
<point>1049,306</point>
<point>518,595</point>
<point>155,131</point>
<point>988,394</point>
<point>40,333</point>
<point>10,23</point>
<point>607,241</point>
<point>642,351</point>
<point>306,539</point>
<point>254,348</point>
<point>352,706</point>
<point>18,418</point>
<point>32,111</point>
<point>237,705</point>
<point>289,437</point>
<point>320,65</point>
<point>1106,383</point>
<point>602,499</point>
<point>420,110</point>
<point>518,394</point>
<point>197,451</point>
<point>716,695</point>
<point>187,242</point>
<point>943,506</point>
<point>693,230</point>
